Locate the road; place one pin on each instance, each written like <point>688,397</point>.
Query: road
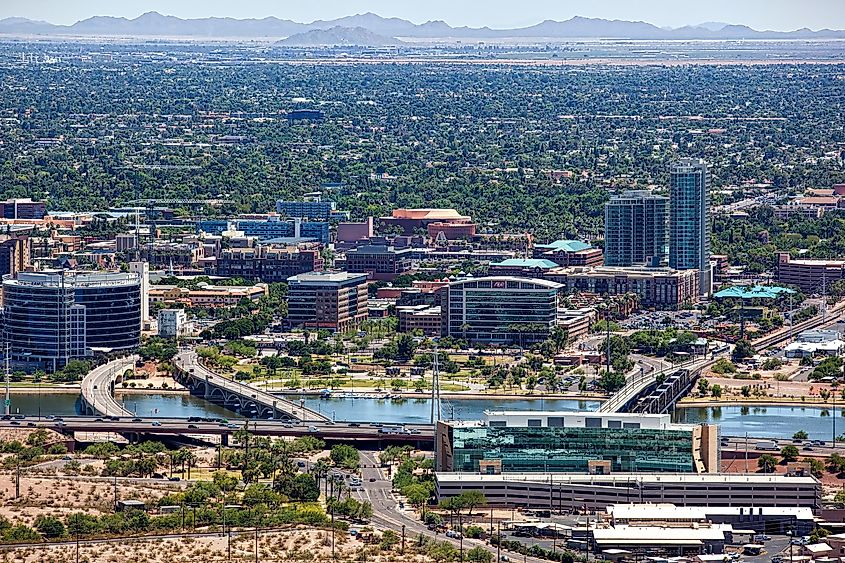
<point>416,434</point>
<point>97,387</point>
<point>378,490</point>
<point>187,362</point>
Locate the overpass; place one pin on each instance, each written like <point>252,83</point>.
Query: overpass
<point>420,435</point>
<point>236,396</point>
<point>98,388</point>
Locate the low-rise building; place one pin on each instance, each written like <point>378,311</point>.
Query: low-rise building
<point>568,491</point>
<point>811,276</point>
<point>206,295</point>
<point>522,267</point>
<point>569,253</point>
<point>379,262</point>
<point>577,442</point>
<point>22,208</point>
<point>576,322</point>
<point>173,323</point>
<point>816,342</point>
<point>412,220</point>
<point>424,318</point>
<point>661,288</point>
<point>268,263</point>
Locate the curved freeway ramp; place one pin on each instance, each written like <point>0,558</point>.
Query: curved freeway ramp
<point>98,387</point>
<point>236,396</point>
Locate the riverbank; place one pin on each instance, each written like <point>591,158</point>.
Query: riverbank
<point>469,395</point>
<point>76,390</point>
<point>768,402</point>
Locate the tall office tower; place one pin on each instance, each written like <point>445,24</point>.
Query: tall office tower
<point>636,229</point>
<point>689,225</point>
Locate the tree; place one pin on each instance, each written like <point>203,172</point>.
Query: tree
<point>716,390</point>
<point>479,555</point>
<point>767,463</point>
<point>225,481</point>
<point>743,349</point>
<point>816,465</point>
<point>345,456</point>
<point>789,453</point>
<point>703,386</point>
<point>50,527</point>
<point>417,494</point>
<point>472,499</point>
<point>800,435</point>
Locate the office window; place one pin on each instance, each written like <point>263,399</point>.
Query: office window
<point>534,423</point>
<point>592,423</point>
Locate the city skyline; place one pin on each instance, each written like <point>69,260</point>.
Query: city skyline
<point>777,15</point>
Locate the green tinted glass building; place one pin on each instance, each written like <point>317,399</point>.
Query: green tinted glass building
<point>527,442</point>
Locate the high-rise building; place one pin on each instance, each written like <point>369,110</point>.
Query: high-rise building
<point>335,301</point>
<point>689,225</point>
<point>22,209</point>
<point>53,317</point>
<point>319,210</point>
<point>636,229</point>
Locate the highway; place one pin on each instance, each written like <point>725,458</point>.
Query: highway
<point>409,433</point>
<point>188,364</point>
<point>97,387</point>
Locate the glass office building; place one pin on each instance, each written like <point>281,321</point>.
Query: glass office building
<point>52,317</point>
<point>510,442</point>
<point>501,309</point>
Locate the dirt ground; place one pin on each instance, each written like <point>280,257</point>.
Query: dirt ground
<point>293,545</point>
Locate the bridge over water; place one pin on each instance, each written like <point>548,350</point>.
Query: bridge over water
<point>236,396</point>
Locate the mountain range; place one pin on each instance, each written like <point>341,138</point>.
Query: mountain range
<point>153,24</point>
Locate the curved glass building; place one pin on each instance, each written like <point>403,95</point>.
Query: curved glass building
<point>52,317</point>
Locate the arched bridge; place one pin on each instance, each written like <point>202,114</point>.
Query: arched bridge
<point>98,388</point>
<point>235,396</point>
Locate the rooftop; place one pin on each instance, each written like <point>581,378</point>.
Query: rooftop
<point>428,214</point>
<point>526,263</point>
<point>625,478</point>
<point>325,277</point>
<point>752,292</point>
<point>565,246</point>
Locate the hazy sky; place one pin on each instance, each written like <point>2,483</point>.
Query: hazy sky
<point>760,14</point>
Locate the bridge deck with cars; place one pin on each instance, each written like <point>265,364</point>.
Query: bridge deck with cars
<point>415,434</point>
<point>236,396</point>
<point>97,388</point>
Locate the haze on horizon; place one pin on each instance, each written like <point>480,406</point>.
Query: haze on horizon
<point>778,15</point>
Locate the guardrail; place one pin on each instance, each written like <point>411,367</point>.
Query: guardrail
<point>97,387</point>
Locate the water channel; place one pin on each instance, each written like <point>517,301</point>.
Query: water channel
<point>734,420</point>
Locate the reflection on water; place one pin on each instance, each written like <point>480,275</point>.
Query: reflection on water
<point>766,422</point>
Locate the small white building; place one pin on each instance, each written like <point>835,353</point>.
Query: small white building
<point>172,323</point>
<point>816,342</point>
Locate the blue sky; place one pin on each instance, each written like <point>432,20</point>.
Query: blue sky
<point>760,14</point>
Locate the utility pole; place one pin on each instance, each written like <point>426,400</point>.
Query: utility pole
<point>403,539</point>
<point>8,402</point>
<point>499,541</point>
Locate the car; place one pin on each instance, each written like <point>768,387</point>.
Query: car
<point>19,417</point>
<point>807,448</point>
<point>137,420</point>
<point>174,479</point>
<point>32,424</point>
<point>156,423</point>
<point>192,426</point>
<point>354,424</point>
<point>6,417</point>
<point>372,479</point>
<point>229,425</point>
<point>15,423</point>
<point>98,420</point>
<point>67,458</point>
<point>312,428</point>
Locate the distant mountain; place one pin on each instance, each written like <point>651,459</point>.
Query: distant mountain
<point>712,26</point>
<point>338,35</point>
<point>156,25</point>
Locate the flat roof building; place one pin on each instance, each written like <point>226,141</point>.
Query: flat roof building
<point>500,309</point>
<point>379,262</point>
<point>661,288</point>
<point>53,317</point>
<point>569,253</point>
<point>577,442</point>
<point>561,491</point>
<point>811,276</point>
<point>335,301</point>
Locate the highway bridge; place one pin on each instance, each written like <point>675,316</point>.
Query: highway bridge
<point>419,435</point>
<point>236,396</point>
<point>98,388</point>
